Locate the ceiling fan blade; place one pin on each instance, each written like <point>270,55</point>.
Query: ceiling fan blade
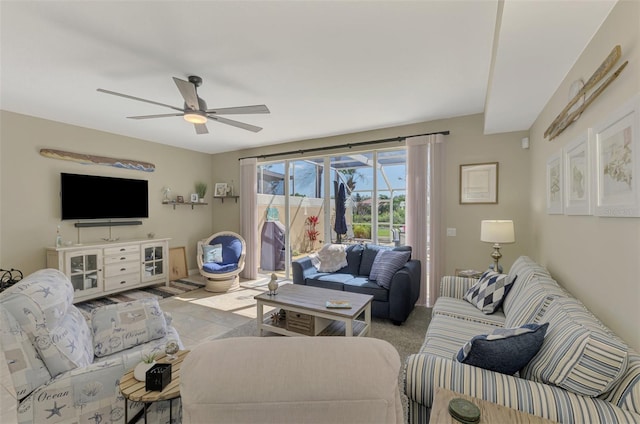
<point>188,91</point>
<point>233,123</point>
<point>201,129</point>
<point>126,96</point>
<point>240,110</point>
<point>164,115</point>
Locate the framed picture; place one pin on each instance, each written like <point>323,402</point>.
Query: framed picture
<point>616,163</point>
<point>220,190</point>
<point>479,183</point>
<point>577,178</point>
<point>554,184</point>
<point>179,199</point>
<point>194,197</point>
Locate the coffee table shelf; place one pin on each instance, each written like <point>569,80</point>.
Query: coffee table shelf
<point>335,328</point>
<point>295,298</point>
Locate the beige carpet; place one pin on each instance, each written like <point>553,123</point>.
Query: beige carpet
<point>406,338</point>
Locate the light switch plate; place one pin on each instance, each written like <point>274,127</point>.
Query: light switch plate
<point>451,232</point>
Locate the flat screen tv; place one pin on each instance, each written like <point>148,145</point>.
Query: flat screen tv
<point>96,197</point>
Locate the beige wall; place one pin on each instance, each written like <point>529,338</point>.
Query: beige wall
<point>466,144</point>
<point>596,259</point>
<point>30,183</point>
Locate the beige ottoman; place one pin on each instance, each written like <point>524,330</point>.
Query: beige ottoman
<point>292,380</point>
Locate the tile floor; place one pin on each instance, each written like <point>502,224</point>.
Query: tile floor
<point>200,315</point>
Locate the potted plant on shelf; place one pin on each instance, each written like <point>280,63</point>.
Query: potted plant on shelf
<point>201,189</point>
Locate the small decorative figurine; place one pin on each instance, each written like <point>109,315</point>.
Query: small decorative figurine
<point>273,285</point>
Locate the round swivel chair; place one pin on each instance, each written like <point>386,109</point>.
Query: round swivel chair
<point>220,260</point>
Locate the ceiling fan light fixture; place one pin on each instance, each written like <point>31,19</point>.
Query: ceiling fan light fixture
<point>195,117</point>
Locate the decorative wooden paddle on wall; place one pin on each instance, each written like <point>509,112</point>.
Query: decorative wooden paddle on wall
<point>564,119</point>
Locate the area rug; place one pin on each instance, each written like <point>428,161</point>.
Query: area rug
<point>406,338</point>
<point>174,288</point>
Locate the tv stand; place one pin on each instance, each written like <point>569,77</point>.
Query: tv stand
<point>104,268</point>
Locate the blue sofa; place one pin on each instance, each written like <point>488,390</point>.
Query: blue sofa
<point>395,304</point>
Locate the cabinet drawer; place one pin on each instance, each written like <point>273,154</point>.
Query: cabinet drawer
<point>121,269</point>
<point>121,281</point>
<point>112,251</point>
<point>123,257</point>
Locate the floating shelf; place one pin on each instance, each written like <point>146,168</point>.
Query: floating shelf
<point>192,204</point>
<point>227,197</point>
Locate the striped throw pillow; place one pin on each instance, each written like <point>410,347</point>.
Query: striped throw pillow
<point>577,354</point>
<point>386,264</point>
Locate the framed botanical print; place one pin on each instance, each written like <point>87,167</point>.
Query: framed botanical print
<point>616,163</point>
<point>479,183</point>
<point>554,184</point>
<point>577,183</point>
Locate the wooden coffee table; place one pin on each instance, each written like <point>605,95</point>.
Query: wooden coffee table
<point>305,302</point>
<point>489,412</point>
<point>135,391</point>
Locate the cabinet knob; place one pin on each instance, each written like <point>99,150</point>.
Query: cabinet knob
<point>123,249</point>
<point>122,282</point>
<point>123,269</point>
<point>123,258</point>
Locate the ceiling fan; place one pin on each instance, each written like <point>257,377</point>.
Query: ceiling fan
<point>195,109</point>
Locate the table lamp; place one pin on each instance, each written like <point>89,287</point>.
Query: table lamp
<point>496,232</point>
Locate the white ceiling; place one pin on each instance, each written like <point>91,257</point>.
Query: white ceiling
<point>322,67</point>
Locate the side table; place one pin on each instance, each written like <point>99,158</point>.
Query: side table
<point>135,391</point>
<point>489,412</point>
<point>469,273</point>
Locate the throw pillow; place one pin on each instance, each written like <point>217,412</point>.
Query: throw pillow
<point>123,325</point>
<point>578,354</point>
<point>386,264</point>
<point>331,258</point>
<point>212,253</point>
<point>68,346</point>
<point>505,350</point>
<point>489,292</point>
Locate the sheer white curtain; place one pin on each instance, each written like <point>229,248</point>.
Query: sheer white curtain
<point>249,215</point>
<point>425,162</point>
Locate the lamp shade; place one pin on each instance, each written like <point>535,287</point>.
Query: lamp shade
<point>497,231</point>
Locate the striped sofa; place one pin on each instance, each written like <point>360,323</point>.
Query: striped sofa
<point>583,373</point>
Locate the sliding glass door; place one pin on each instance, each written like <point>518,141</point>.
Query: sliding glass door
<point>348,198</point>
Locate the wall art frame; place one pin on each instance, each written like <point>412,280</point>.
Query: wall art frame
<point>479,183</point>
<point>194,197</point>
<point>554,193</point>
<point>616,162</point>
<point>577,176</point>
<point>220,190</point>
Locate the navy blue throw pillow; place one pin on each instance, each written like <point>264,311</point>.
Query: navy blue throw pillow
<point>505,350</point>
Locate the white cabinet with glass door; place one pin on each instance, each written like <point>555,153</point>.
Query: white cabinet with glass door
<point>84,269</point>
<point>98,269</point>
<point>154,261</point>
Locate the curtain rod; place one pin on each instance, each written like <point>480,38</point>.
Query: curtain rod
<point>348,145</point>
